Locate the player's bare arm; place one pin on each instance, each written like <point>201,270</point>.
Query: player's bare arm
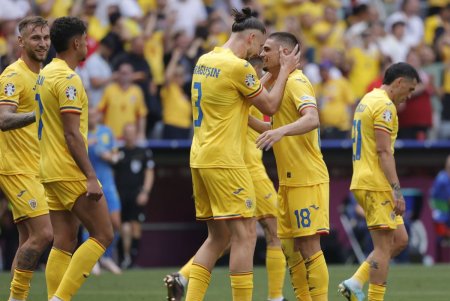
<point>75,144</point>
<point>11,120</point>
<point>308,121</point>
<point>269,102</point>
<point>258,125</point>
<point>387,162</point>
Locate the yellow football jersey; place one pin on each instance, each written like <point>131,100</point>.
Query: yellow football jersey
<point>374,112</point>
<point>299,158</point>
<point>176,106</point>
<point>220,85</point>
<point>59,90</point>
<point>121,107</point>
<point>253,155</point>
<point>19,149</point>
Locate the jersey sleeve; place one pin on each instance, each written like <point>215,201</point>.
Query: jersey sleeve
<point>301,93</point>
<point>384,116</point>
<point>245,79</point>
<point>11,89</point>
<point>70,93</point>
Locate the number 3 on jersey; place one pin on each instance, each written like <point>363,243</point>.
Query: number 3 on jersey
<point>356,140</point>
<point>198,121</point>
<point>41,111</point>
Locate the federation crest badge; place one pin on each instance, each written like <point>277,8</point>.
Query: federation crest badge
<point>387,116</point>
<point>71,93</point>
<point>32,203</point>
<point>249,203</point>
<point>10,89</point>
<point>250,80</point>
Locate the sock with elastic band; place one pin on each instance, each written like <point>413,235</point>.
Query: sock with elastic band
<point>318,277</point>
<point>242,286</point>
<point>185,271</point>
<point>80,266</point>
<point>199,278</point>
<point>20,284</point>
<point>376,292</point>
<point>276,271</point>
<point>361,276</point>
<point>57,263</point>
<point>297,270</point>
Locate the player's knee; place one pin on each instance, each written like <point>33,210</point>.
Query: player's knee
<point>400,243</point>
<point>105,237</point>
<point>42,239</point>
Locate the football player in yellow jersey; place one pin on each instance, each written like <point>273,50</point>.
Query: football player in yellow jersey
<point>19,153</point>
<point>265,212</point>
<point>224,85</point>
<point>303,195</point>
<point>73,191</point>
<point>375,183</point>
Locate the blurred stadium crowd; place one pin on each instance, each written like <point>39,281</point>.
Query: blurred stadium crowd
<point>142,53</point>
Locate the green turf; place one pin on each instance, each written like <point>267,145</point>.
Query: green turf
<point>406,283</point>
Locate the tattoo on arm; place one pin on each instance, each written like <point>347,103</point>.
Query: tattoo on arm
<point>374,265</point>
<point>27,259</point>
<point>17,120</point>
<point>397,190</point>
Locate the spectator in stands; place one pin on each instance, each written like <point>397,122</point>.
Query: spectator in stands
<point>409,13</point>
<point>364,63</point>
<point>123,103</point>
<point>435,24</point>
<point>335,100</point>
<point>98,70</point>
<point>142,77</point>
<point>396,44</point>
<point>188,14</point>
<point>440,202</point>
<point>177,108</point>
<point>134,177</point>
<point>415,117</point>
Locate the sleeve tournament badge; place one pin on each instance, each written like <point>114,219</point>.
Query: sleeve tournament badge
<point>71,93</point>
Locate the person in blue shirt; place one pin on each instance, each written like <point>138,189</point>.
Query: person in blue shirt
<point>440,201</point>
<point>102,154</point>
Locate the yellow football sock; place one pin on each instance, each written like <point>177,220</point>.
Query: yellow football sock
<point>276,270</point>
<point>20,284</point>
<point>362,273</point>
<point>317,270</point>
<point>297,269</point>
<point>242,286</point>
<point>198,282</point>
<point>376,292</point>
<point>57,264</point>
<point>186,269</point>
<point>80,266</point>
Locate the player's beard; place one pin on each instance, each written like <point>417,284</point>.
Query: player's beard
<point>32,55</point>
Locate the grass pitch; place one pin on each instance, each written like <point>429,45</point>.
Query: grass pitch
<point>406,283</point>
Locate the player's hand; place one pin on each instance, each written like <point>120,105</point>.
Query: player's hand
<point>142,198</point>
<point>94,191</point>
<point>399,202</point>
<point>290,61</point>
<point>267,139</point>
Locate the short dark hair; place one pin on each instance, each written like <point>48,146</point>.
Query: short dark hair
<point>285,38</point>
<point>246,20</point>
<point>400,70</point>
<point>64,29</point>
<point>35,21</point>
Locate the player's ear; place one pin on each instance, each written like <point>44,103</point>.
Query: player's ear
<point>20,40</point>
